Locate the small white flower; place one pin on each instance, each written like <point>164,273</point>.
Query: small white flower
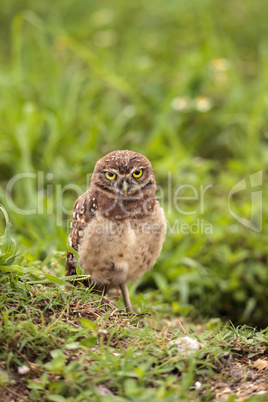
<point>181,103</point>
<point>203,104</point>
<point>220,64</point>
<point>129,111</point>
<point>22,370</point>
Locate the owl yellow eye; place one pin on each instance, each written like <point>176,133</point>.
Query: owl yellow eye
<point>110,175</point>
<point>137,173</point>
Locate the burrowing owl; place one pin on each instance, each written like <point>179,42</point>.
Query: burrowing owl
<point>117,227</point>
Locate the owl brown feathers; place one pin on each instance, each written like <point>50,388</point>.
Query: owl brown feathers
<point>117,227</point>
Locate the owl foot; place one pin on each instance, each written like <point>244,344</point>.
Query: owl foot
<point>125,295</point>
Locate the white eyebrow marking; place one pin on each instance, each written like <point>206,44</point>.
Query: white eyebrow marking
<point>110,171</point>
<point>137,168</point>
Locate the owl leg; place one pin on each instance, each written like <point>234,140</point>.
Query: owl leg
<point>124,291</point>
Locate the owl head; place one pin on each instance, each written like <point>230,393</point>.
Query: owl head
<point>124,183</point>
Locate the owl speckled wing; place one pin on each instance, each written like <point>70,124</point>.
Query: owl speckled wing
<point>82,214</point>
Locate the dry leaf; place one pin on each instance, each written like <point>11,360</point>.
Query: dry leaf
<point>260,364</point>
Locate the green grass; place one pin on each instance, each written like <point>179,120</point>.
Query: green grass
<point>184,83</point>
<point>80,80</point>
<point>74,349</point>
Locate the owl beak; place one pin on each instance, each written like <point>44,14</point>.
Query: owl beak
<point>125,187</point>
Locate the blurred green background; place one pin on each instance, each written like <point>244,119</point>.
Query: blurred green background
<point>186,84</point>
